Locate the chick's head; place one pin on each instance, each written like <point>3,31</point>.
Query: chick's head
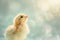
<point>20,19</point>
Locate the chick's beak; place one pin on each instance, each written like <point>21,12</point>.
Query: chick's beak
<point>26,16</point>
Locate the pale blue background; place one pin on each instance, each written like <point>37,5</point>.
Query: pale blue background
<point>44,23</point>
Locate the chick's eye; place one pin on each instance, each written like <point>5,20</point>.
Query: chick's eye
<point>21,16</point>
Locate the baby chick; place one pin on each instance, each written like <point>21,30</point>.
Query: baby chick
<point>19,30</point>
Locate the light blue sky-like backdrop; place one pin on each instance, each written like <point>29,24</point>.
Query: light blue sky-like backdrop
<point>44,17</point>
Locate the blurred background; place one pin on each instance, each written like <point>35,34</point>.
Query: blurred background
<point>44,17</point>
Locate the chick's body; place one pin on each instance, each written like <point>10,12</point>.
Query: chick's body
<point>14,33</point>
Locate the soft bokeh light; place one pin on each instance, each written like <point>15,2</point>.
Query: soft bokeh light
<point>44,17</point>
<point>14,6</point>
<point>54,2</point>
<point>43,6</point>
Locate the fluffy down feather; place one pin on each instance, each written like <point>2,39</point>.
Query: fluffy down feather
<point>19,30</point>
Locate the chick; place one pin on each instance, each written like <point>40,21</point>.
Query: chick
<point>19,30</point>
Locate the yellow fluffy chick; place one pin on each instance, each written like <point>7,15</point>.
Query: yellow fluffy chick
<point>19,30</point>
